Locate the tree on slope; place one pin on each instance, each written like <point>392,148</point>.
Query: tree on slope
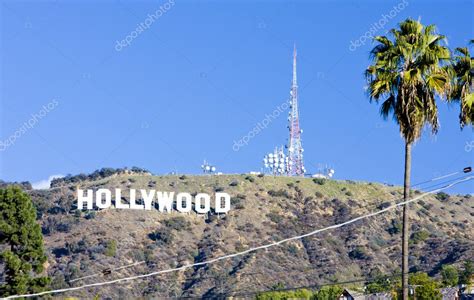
<point>21,241</point>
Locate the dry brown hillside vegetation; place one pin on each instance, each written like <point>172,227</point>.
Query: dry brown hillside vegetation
<point>264,210</point>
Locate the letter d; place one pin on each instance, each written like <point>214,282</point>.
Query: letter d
<point>352,47</point>
<point>219,207</point>
<point>118,44</point>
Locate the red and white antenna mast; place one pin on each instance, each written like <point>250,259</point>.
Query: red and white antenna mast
<point>295,166</point>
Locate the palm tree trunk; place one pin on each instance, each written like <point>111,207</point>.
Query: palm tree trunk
<point>405,234</point>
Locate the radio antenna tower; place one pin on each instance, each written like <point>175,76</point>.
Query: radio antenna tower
<point>295,166</point>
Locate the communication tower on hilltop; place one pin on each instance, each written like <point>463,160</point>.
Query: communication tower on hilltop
<point>324,172</point>
<point>207,168</point>
<point>295,166</point>
<point>275,162</point>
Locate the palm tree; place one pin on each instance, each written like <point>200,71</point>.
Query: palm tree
<point>407,73</point>
<point>462,69</point>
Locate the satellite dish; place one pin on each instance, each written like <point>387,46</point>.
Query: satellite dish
<point>213,169</point>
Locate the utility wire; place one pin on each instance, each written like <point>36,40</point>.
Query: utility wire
<point>241,252</point>
<point>107,271</point>
<point>428,187</point>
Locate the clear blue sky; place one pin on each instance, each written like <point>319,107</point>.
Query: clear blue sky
<point>201,76</point>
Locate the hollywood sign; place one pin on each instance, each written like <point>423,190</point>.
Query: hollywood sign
<point>165,200</point>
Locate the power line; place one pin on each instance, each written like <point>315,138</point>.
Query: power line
<point>130,278</point>
<point>428,187</point>
<point>106,271</point>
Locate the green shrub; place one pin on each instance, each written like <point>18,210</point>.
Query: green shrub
<point>76,247</point>
<point>249,178</point>
<point>320,181</point>
<point>442,196</point>
<point>111,248</point>
<point>177,223</point>
<point>90,215</point>
<point>450,275</point>
<point>328,293</point>
<point>467,272</point>
<point>379,285</point>
<point>274,217</point>
<point>319,194</point>
<point>358,253</point>
<point>396,227</point>
<point>427,288</point>
<point>284,295</point>
<point>234,201</point>
<point>293,249</point>
<point>279,193</point>
<point>419,236</point>
<point>164,235</point>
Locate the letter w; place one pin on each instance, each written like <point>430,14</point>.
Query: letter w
<point>165,200</point>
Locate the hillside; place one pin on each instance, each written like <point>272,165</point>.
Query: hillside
<point>264,209</point>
